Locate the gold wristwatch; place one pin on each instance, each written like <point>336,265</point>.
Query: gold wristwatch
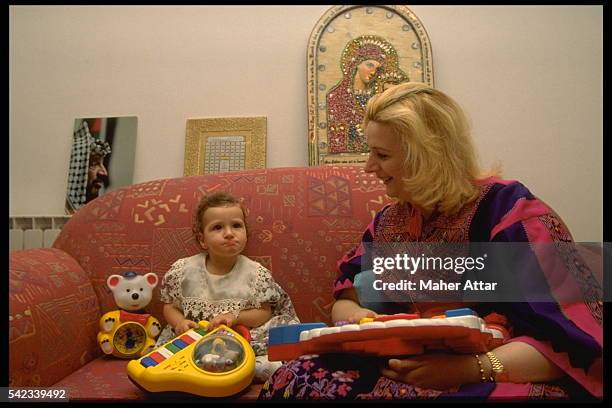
<point>497,368</point>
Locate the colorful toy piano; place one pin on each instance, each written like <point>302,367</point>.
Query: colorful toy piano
<point>458,330</point>
<point>218,363</point>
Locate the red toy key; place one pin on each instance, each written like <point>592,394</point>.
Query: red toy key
<point>406,316</point>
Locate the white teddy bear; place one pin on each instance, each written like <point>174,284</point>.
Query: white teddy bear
<point>129,332</point>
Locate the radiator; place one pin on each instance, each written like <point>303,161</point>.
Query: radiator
<point>27,232</point>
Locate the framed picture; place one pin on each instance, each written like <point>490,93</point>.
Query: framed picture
<point>355,52</point>
<point>214,145</point>
<point>101,158</point>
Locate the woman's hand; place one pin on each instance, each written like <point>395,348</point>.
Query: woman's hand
<point>184,325</point>
<point>360,314</point>
<point>434,370</point>
<point>347,308</point>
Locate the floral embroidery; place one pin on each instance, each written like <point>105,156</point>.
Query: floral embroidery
<point>340,376</point>
<point>320,374</point>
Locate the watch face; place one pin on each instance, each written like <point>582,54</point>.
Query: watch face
<point>218,353</point>
<point>356,52</point>
<point>129,338</point>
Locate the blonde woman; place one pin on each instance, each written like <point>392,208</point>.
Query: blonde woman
<point>420,148</point>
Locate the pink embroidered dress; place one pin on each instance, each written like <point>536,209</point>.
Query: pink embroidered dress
<point>568,333</point>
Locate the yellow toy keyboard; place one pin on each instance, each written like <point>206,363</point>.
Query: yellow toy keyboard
<point>218,363</point>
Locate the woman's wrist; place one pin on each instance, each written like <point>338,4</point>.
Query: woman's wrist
<point>499,373</point>
<point>483,368</point>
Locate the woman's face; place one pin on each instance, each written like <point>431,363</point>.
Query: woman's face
<point>367,70</point>
<point>386,158</point>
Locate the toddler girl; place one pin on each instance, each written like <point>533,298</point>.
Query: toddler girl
<point>223,286</point>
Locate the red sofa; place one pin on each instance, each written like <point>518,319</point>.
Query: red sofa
<point>301,220</point>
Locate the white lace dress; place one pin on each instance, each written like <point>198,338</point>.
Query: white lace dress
<point>201,295</point>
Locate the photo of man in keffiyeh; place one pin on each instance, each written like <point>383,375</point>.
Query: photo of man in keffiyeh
<point>87,174</point>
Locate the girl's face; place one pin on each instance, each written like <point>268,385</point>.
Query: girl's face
<point>224,234</point>
<point>386,158</point>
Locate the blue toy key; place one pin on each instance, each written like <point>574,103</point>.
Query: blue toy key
<point>290,333</point>
<point>465,311</point>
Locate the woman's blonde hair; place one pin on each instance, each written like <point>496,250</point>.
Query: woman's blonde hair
<point>440,160</point>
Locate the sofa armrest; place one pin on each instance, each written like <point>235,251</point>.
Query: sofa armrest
<point>53,317</point>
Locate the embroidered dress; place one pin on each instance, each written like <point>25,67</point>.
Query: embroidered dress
<point>568,333</point>
<point>201,295</point>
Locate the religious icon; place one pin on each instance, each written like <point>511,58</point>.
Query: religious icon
<point>354,53</point>
<point>369,65</point>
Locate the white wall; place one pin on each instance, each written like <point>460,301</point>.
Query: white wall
<point>530,77</point>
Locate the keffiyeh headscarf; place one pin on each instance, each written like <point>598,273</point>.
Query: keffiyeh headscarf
<point>84,144</point>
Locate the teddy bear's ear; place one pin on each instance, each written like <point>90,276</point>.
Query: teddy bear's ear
<point>151,279</point>
<point>113,281</point>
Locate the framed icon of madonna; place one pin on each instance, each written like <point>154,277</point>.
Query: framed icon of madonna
<point>355,52</point>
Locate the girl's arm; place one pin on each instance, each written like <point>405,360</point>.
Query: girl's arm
<point>254,317</point>
<point>176,319</point>
<point>248,317</point>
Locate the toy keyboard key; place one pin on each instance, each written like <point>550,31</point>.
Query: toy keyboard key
<point>148,362</point>
<point>179,343</point>
<point>349,327</point>
<point>465,311</point>
<point>372,325</point>
<point>330,330</point>
<point>406,316</point>
<point>187,339</point>
<point>158,358</point>
<point>200,330</point>
<point>173,349</point>
<point>164,352</point>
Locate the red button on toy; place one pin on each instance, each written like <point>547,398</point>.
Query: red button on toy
<point>406,316</point>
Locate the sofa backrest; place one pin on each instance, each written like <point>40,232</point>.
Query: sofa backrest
<point>301,221</point>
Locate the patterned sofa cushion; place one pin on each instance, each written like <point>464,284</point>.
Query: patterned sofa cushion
<point>301,221</point>
<point>53,317</point>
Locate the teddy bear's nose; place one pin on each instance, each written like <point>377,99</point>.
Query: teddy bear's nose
<point>135,296</point>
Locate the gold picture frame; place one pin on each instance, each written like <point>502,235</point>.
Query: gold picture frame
<point>392,40</point>
<point>214,145</point>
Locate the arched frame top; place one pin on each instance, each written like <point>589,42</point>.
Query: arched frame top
<point>343,38</point>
